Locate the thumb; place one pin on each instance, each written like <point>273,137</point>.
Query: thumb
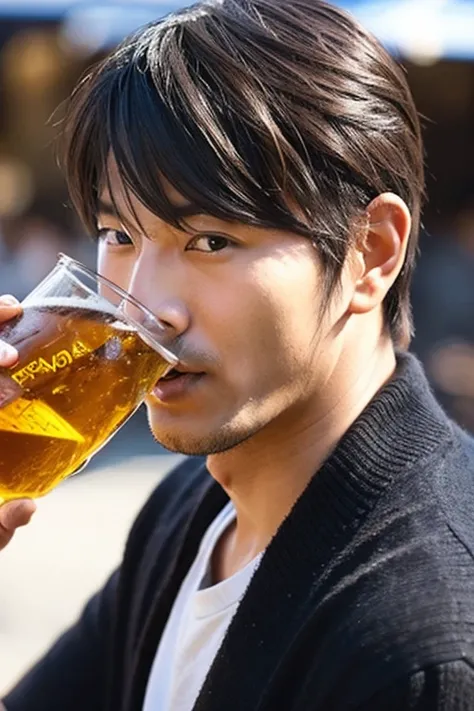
<point>12,515</point>
<point>16,513</point>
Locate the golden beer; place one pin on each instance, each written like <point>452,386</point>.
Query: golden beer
<point>82,372</point>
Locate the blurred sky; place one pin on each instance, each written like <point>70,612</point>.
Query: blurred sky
<point>424,28</point>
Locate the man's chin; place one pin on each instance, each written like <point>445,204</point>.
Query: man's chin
<point>198,435</point>
<point>194,446</point>
<point>198,444</point>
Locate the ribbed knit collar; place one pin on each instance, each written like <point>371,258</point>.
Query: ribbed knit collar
<point>401,427</point>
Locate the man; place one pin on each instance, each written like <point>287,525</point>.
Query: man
<point>253,172</point>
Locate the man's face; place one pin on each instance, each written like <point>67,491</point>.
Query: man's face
<point>245,305</point>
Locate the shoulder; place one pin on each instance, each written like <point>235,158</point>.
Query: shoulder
<point>453,487</point>
<point>441,687</point>
<point>410,616</point>
<point>411,584</point>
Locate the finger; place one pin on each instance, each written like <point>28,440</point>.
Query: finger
<point>15,514</point>
<point>9,307</point>
<point>9,303</point>
<point>8,355</point>
<point>8,300</point>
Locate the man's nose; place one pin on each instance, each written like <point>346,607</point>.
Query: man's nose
<point>157,288</point>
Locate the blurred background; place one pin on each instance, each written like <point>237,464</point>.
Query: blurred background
<point>45,45</point>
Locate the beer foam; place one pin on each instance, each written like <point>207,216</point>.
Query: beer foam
<point>100,306</point>
<point>71,302</point>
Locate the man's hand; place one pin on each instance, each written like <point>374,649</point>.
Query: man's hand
<point>9,308</point>
<point>13,515</point>
<point>16,513</point>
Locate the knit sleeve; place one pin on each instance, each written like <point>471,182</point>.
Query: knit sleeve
<point>72,675</point>
<point>445,687</point>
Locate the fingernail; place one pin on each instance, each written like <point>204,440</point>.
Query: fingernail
<point>7,352</point>
<point>8,300</point>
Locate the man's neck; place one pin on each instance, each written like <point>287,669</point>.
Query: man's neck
<point>266,475</point>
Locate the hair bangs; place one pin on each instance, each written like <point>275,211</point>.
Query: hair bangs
<point>149,125</point>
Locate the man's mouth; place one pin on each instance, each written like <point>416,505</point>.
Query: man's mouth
<point>177,373</point>
<point>173,373</point>
<point>177,383</point>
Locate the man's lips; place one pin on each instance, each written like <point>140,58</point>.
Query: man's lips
<point>177,383</point>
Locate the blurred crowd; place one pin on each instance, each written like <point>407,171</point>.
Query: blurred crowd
<point>443,306</point>
<point>29,246</point>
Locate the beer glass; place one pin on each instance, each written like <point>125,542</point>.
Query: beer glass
<point>86,363</point>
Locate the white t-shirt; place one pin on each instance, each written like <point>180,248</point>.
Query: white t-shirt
<point>196,627</point>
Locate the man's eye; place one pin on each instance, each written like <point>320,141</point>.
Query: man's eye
<point>208,243</point>
<point>110,236</point>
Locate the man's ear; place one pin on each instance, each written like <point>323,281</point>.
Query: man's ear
<point>380,251</point>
